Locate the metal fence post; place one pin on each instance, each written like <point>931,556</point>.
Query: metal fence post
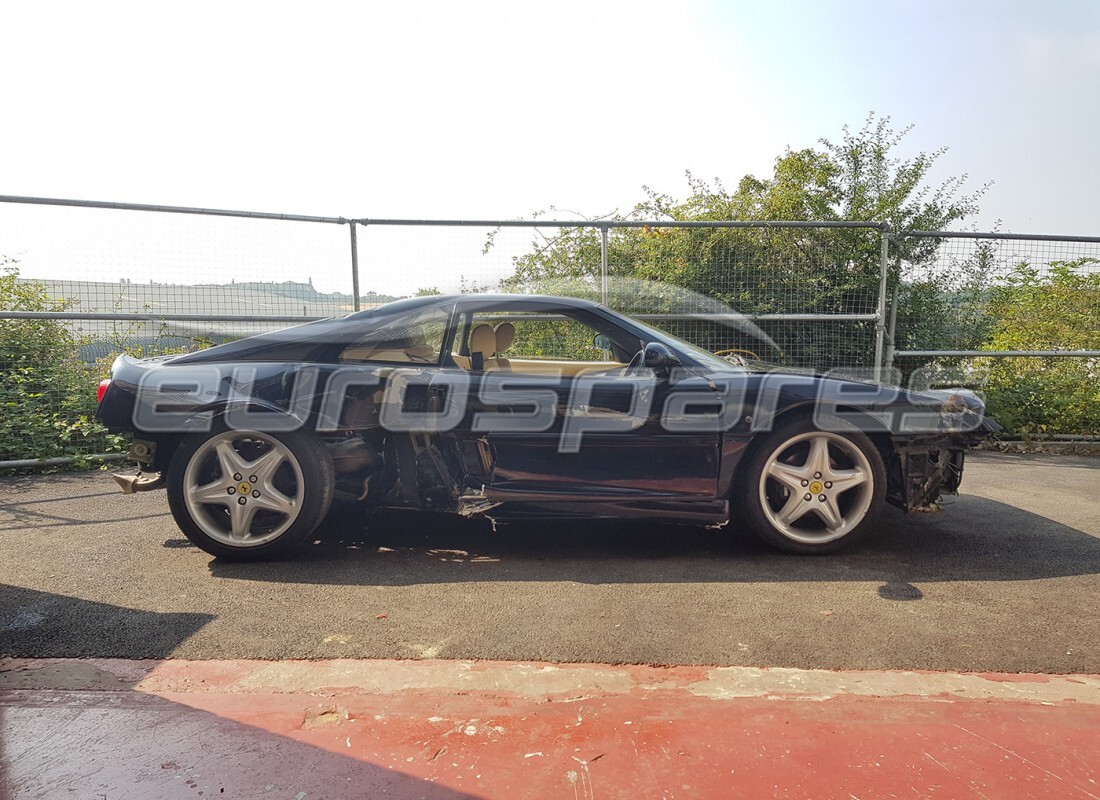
<point>354,267</point>
<point>880,311</point>
<point>891,343</point>
<point>603,263</point>
<point>891,333</point>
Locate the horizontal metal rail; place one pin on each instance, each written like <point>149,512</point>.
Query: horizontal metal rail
<point>91,315</point>
<point>545,223</point>
<point>651,223</point>
<point>1041,237</point>
<point>676,317</point>
<point>33,463</point>
<point>468,223</point>
<point>997,353</point>
<point>209,212</point>
<point>734,316</point>
<point>703,317</point>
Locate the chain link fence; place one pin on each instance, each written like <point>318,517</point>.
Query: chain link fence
<point>956,290</point>
<point>129,276</point>
<point>90,279</point>
<point>83,281</point>
<point>1015,316</point>
<point>808,295</point>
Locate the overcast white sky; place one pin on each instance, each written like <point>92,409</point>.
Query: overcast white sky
<point>497,109</point>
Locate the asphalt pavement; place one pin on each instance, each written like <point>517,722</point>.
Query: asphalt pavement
<point>1005,579</point>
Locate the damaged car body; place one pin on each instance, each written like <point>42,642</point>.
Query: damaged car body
<point>518,407</point>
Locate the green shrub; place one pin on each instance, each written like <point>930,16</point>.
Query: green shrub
<point>1037,396</point>
<point>47,395</point>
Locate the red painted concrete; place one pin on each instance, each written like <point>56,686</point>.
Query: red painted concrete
<point>195,729</point>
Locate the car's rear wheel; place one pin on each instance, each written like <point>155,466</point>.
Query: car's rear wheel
<point>810,489</point>
<point>249,495</point>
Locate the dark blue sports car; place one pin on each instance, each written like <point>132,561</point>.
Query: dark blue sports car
<point>518,406</point>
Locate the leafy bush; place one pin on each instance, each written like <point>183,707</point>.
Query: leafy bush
<point>47,395</point>
<point>1036,396</point>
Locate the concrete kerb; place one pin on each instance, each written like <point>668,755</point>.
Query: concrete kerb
<point>544,682</point>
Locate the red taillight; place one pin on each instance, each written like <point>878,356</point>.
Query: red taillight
<point>102,390</point>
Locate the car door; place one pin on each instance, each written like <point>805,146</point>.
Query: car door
<point>566,419</point>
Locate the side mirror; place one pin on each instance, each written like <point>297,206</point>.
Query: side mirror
<point>660,358</point>
<point>601,342</point>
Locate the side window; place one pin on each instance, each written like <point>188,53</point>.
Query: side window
<point>549,337</point>
<point>416,339</point>
<point>556,340</point>
<point>528,341</point>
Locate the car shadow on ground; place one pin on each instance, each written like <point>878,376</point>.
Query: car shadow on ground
<point>976,540</point>
<point>103,755</point>
<point>27,614</point>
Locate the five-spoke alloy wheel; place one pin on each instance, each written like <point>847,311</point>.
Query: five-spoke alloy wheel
<point>811,489</point>
<point>247,495</point>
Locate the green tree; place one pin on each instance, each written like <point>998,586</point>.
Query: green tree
<point>769,270</point>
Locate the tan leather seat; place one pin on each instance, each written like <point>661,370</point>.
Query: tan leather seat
<point>483,345</point>
<point>505,338</point>
<point>486,344</point>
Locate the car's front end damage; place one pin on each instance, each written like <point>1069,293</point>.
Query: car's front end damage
<point>922,472</point>
<point>922,436</point>
<point>928,465</point>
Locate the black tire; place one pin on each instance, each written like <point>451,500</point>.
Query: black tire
<point>778,475</point>
<point>289,486</point>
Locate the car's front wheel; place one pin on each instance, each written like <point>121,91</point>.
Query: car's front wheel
<point>810,489</point>
<point>248,495</point>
